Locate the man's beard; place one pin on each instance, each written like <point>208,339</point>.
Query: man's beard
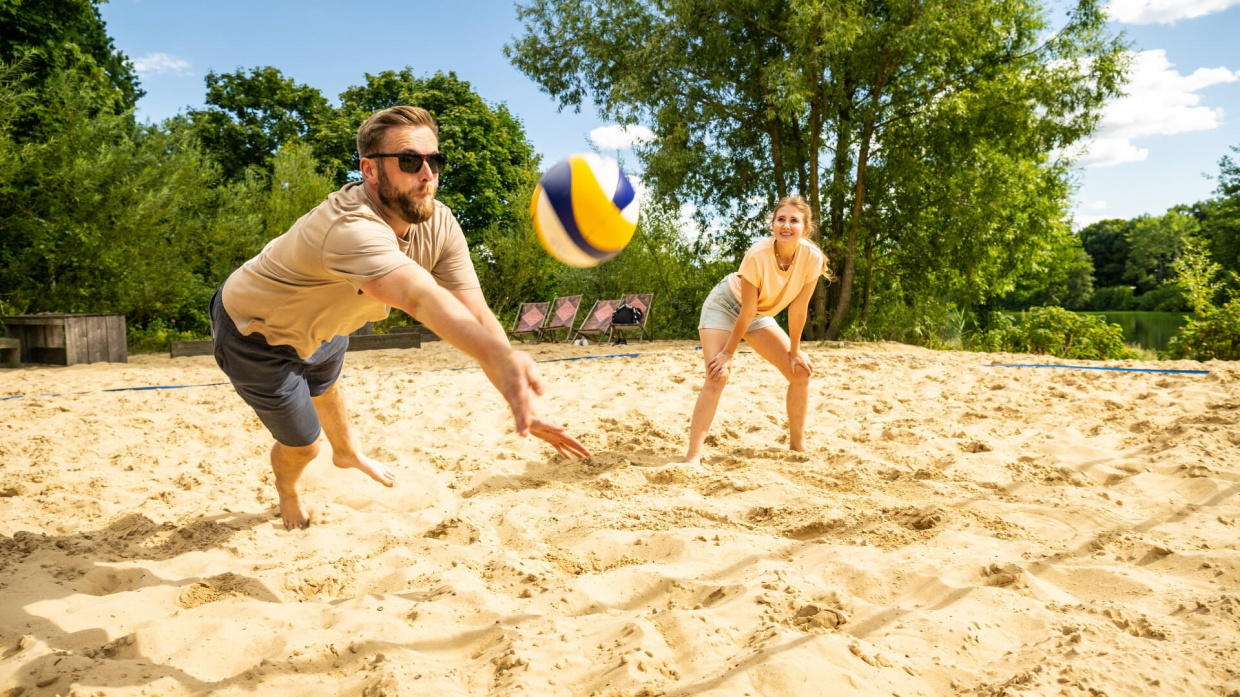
<point>411,209</point>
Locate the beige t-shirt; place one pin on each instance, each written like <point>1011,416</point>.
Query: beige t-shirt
<point>777,289</point>
<point>304,287</point>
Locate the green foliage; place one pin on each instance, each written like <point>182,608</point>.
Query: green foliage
<point>249,116</point>
<point>1113,298</point>
<point>59,36</point>
<point>103,217</point>
<point>661,259</point>
<point>917,320</point>
<point>752,100</point>
<point>512,266</point>
<point>1053,331</point>
<point>1106,242</point>
<point>157,336</point>
<point>1210,335</point>
<point>489,156</point>
<point>296,187</point>
<point>1168,297</point>
<point>1063,276</point>
<point>1155,244</point>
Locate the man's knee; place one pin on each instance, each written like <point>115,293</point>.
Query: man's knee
<point>299,453</point>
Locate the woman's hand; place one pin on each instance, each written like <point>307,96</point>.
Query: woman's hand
<point>719,366</point>
<point>800,361</point>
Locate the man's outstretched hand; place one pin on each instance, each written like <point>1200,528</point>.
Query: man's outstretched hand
<point>559,439</point>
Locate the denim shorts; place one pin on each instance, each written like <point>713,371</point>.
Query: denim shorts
<point>276,382</point>
<point>722,309</point>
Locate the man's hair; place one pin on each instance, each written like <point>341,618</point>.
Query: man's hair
<point>372,132</point>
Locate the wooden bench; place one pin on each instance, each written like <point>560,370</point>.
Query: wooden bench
<point>10,352</point>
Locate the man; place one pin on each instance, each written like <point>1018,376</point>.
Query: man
<point>280,323</point>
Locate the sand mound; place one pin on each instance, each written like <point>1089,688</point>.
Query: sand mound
<point>955,528</point>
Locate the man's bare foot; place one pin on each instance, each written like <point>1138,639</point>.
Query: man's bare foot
<point>293,513</point>
<point>374,470</point>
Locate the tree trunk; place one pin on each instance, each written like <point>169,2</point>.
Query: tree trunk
<point>869,280</point>
<point>850,249</point>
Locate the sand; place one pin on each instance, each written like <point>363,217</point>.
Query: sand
<point>955,528</point>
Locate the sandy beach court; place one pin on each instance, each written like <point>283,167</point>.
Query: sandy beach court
<point>955,528</point>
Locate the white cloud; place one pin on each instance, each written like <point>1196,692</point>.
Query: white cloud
<point>1164,11</point>
<point>1079,221</point>
<point>159,64</point>
<point>617,137</point>
<point>1098,205</point>
<point>1160,102</point>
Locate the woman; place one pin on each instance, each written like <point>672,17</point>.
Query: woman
<point>778,271</point>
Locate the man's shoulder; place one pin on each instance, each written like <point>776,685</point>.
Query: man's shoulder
<point>441,225</point>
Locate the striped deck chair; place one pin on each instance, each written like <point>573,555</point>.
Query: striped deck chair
<point>599,320</point>
<point>530,318</point>
<point>563,316</point>
<point>643,302</point>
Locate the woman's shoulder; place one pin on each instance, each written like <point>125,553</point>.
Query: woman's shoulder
<point>813,247</point>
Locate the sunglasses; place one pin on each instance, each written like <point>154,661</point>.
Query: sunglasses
<point>412,161</point>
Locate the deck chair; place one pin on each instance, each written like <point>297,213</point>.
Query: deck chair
<point>563,316</point>
<point>599,320</point>
<point>641,301</point>
<point>530,318</point>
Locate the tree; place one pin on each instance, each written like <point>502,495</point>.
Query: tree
<point>249,116</point>
<point>876,111</point>
<point>60,35</point>
<point>1106,242</point>
<point>1154,245</point>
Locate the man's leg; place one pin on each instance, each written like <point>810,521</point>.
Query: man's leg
<point>334,417</point>
<point>287,463</point>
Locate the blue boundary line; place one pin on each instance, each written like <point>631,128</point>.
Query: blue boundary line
<point>632,355</point>
<point>1098,367</point>
<point>216,384</point>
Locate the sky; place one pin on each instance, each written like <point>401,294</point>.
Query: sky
<point>1156,148</point>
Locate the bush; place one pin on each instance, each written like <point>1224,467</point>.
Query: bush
<point>1053,331</point>
<point>1165,298</point>
<point>1212,334</point>
<point>157,337</point>
<point>1113,298</point>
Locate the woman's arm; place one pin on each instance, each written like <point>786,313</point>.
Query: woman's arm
<point>798,310</point>
<point>718,366</point>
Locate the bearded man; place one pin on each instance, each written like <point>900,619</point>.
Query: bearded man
<point>280,323</point>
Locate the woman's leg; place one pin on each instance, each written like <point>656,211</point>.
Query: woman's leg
<point>773,344</point>
<point>713,341</point>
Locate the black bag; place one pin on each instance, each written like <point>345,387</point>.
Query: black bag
<point>626,314</point>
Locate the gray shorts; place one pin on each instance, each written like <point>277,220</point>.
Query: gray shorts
<point>274,380</point>
<point>722,309</point>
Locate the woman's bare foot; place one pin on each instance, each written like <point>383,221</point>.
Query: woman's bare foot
<point>695,460</point>
<point>374,470</point>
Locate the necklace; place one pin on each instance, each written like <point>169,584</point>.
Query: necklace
<point>783,265</point>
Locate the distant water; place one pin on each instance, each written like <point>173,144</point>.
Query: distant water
<point>1151,330</point>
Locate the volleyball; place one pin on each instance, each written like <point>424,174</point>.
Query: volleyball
<point>584,209</point>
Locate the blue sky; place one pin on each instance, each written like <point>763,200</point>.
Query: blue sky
<point>1153,151</point>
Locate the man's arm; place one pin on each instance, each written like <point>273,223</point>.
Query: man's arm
<point>476,303</point>
<point>413,290</point>
<point>554,434</point>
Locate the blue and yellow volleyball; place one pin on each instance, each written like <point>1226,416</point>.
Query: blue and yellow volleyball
<point>585,210</point>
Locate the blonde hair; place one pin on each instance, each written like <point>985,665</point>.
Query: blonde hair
<point>811,227</point>
<point>802,207</point>
<point>371,134</point>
